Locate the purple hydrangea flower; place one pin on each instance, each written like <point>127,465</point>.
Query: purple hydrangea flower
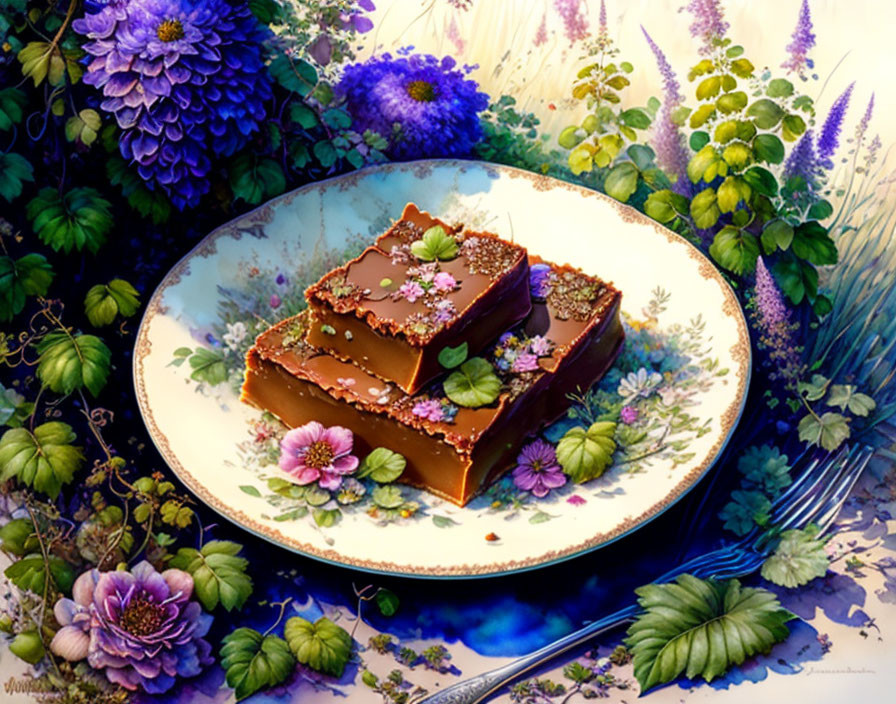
<point>312,452</point>
<point>668,141</point>
<point>425,106</point>
<point>539,280</point>
<point>185,80</point>
<point>802,40</point>
<point>828,140</point>
<point>140,627</point>
<point>537,469</point>
<point>709,22</point>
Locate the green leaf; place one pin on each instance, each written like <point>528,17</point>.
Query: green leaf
<point>250,490</point>
<point>709,87</point>
<point>18,537</point>
<point>152,204</point>
<point>799,558</point>
<point>12,107</point>
<point>814,389</point>
<point>735,250</point>
<point>265,10</point>
<point>622,181</point>
<point>812,242</point>
<point>475,384</point>
<point>28,646</point>
<point>792,127</point>
<point>797,279</point>
<point>386,601</point>
<point>641,155</point>
<point>382,465</point>
<point>698,140</point>
<point>777,234</point>
<point>14,409</point>
<point>443,521</point>
<point>252,661</point>
<point>79,219</point>
<point>29,573</point>
<point>742,67</point>
<point>701,628</point>
<point>732,102</point>
<point>323,646</point>
<point>586,454</point>
<point>820,210</point>
<point>387,496</point>
<point>451,357</point>
<point>14,171</point>
<point>765,113</point>
<point>766,469</point>
<point>779,88</point>
<point>581,158</point>
<point>296,75</point>
<point>29,275</point>
<point>302,115</point>
<point>745,510</point>
<point>208,366</point>
<point>337,118</point>
<point>665,205</point>
<point>829,430</point>
<point>701,163</point>
<point>635,118</point>
<point>762,181</point>
<point>219,575</point>
<point>732,191</point>
<point>83,127</point>
<point>325,153</point>
<point>845,397</point>
<point>326,517</point>
<point>571,136</point>
<point>44,459</point>
<point>105,301</point>
<point>435,244</point>
<point>768,148</point>
<point>704,209</point>
<point>69,362</point>
<point>255,180</point>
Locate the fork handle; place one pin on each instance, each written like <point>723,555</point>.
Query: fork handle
<point>478,688</point>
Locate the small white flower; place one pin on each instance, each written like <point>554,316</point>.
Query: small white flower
<point>638,384</point>
<point>236,333</point>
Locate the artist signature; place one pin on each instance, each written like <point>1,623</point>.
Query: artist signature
<point>25,685</point>
<point>840,671</point>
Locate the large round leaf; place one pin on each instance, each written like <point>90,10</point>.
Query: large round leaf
<point>253,661</point>
<point>474,384</point>
<point>322,645</point>
<point>586,454</point>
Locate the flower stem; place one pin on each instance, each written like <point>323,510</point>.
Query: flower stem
<point>282,604</point>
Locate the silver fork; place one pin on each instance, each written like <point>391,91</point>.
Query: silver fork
<point>815,496</point>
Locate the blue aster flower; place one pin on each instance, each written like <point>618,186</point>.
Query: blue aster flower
<point>430,106</point>
<point>185,80</point>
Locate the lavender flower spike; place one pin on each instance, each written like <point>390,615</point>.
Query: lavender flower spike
<point>602,21</point>
<point>709,22</point>
<point>802,161</point>
<point>862,127</point>
<point>828,140</point>
<point>802,40</point>
<point>668,142</point>
<point>772,319</point>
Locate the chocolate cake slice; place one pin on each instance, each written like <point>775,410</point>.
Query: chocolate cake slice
<point>567,342</point>
<point>421,287</point>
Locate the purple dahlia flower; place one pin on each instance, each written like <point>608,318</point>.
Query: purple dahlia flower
<point>537,469</point>
<point>141,627</point>
<point>428,104</point>
<point>185,80</point>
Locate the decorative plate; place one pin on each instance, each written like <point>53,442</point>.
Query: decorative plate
<point>677,389</point>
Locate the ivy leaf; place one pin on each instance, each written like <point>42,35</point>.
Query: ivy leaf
<point>766,469</point>
<point>829,430</point>
<point>622,181</point>
<point>799,558</point>
<point>701,628</point>
<point>475,384</point>
<point>14,171</point>
<point>745,510</point>
<point>83,127</point>
<point>382,465</point>
<point>69,362</point>
<point>254,180</point>
<point>765,113</point>
<point>207,366</point>
<point>735,250</point>
<point>253,661</point>
<point>29,573</point>
<point>44,459</point>
<point>812,242</point>
<point>296,75</point>
<point>29,275</point>
<point>387,497</point>
<point>104,302</point>
<point>323,646</point>
<point>451,357</point>
<point>12,107</point>
<point>845,396</point>
<point>79,219</point>
<point>218,574</point>
<point>435,244</point>
<point>586,454</point>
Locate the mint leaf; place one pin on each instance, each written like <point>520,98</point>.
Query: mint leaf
<point>252,661</point>
<point>451,357</point>
<point>474,385</point>
<point>29,275</point>
<point>701,628</point>
<point>382,465</point>
<point>44,459</point>
<point>219,575</point>
<point>104,302</point>
<point>76,220</point>
<point>69,362</point>
<point>322,645</point>
<point>585,454</point>
<point>799,558</point>
<point>435,244</point>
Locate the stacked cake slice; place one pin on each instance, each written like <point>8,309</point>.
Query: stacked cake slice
<point>444,345</point>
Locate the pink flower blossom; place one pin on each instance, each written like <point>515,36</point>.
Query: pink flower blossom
<point>575,22</point>
<point>524,362</point>
<point>540,346</point>
<point>444,281</point>
<point>576,500</point>
<point>628,414</point>
<point>312,453</point>
<point>429,410</point>
<point>541,34</point>
<point>445,311</point>
<point>275,301</point>
<point>410,290</point>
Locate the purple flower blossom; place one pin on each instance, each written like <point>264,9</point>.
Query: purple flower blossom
<point>410,290</point>
<point>275,301</point>
<point>428,104</point>
<point>541,34</point>
<point>602,19</point>
<point>443,281</point>
<point>828,140</point>
<point>802,161</point>
<point>524,362</point>
<point>312,452</point>
<point>772,319</point>
<point>577,500</point>
<point>539,280</point>
<point>444,311</point>
<point>862,127</point>
<point>709,22</point>
<point>430,409</point>
<point>575,22</point>
<point>628,414</point>
<point>668,141</point>
<point>280,280</point>
<point>537,469</point>
<point>802,40</point>
<point>540,346</point>
<point>140,627</point>
<point>185,80</point>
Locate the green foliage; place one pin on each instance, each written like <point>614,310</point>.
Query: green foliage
<point>621,181</point>
<point>14,409</point>
<point>828,430</point>
<point>15,170</point>
<point>746,510</point>
<point>323,645</point>
<point>30,573</point>
<point>219,575</point>
<point>735,250</point>
<point>151,204</point>
<point>18,537</point>
<point>799,558</point>
<point>12,107</point>
<point>451,357</point>
<point>105,301</point>
<point>48,60</point>
<point>207,365</point>
<point>29,275</point>
<point>69,362</point>
<point>83,127</point>
<point>388,497</point>
<point>44,459</point>
<point>28,646</point>
<point>435,244</point>
<point>475,384</point>
<point>386,601</point>
<point>701,628</point>
<point>382,465</point>
<point>766,469</point>
<point>252,661</point>
<point>79,219</point>
<point>845,397</point>
<point>586,454</point>
<point>296,75</point>
<point>255,180</point>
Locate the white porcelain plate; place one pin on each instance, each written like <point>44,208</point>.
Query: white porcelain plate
<point>677,389</point>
